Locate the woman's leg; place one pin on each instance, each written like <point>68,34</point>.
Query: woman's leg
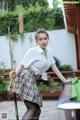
<point>36,113</point>
<point>31,108</point>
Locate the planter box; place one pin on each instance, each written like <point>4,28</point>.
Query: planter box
<point>4,96</point>
<point>7,96</point>
<point>50,95</point>
<point>45,95</point>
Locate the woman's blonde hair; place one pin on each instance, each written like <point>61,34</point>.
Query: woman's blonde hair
<point>41,31</point>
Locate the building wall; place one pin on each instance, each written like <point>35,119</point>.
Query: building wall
<point>61,44</point>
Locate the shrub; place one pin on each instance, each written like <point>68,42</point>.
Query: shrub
<point>3,85</point>
<point>52,86</point>
<point>66,67</point>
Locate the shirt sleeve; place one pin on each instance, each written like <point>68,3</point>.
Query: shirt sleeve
<point>52,60</point>
<point>27,59</point>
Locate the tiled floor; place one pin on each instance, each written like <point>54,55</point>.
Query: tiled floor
<point>49,110</point>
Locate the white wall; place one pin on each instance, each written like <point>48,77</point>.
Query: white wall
<point>61,43</point>
<point>4,51</point>
<point>63,47</point>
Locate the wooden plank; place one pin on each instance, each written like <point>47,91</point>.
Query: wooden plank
<point>52,74</point>
<point>69,10</point>
<point>78,35</point>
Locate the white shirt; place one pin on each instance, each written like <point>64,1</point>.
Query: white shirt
<point>38,60</point>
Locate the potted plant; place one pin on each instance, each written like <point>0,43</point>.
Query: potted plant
<point>50,89</point>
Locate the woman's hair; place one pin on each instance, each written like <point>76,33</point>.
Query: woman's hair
<point>41,31</point>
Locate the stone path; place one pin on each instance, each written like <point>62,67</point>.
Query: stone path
<point>49,110</point>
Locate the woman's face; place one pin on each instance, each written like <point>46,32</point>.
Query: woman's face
<point>42,40</point>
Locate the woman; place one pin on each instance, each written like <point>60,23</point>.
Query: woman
<point>35,62</point>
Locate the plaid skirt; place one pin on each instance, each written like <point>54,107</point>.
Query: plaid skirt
<point>26,87</point>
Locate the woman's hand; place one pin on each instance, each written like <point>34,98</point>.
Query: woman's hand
<point>12,74</point>
<point>66,81</point>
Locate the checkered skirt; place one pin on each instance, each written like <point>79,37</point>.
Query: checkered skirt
<point>26,87</point>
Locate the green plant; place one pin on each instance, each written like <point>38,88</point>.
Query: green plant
<point>52,86</point>
<point>2,88</point>
<point>3,85</point>
<point>3,71</point>
<point>42,87</point>
<point>66,67</point>
<point>34,17</point>
<point>55,85</point>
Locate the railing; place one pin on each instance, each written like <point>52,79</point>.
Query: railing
<point>48,95</point>
<point>65,73</point>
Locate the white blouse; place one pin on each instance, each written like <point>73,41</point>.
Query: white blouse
<point>38,60</point>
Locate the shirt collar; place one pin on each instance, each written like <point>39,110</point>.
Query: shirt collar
<point>40,49</point>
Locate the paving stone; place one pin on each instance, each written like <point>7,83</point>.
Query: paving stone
<point>49,110</point>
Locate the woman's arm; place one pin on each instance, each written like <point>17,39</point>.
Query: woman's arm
<point>13,74</point>
<point>59,74</point>
<point>19,69</point>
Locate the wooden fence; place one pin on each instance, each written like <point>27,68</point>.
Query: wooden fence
<point>47,95</point>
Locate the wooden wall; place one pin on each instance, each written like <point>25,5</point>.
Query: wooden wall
<point>72,12</point>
